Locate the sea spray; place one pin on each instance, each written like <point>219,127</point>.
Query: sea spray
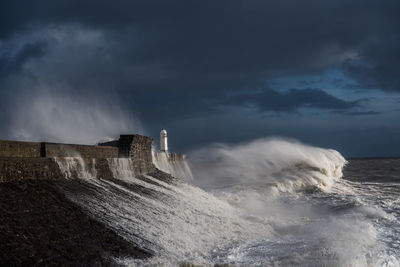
<point>263,178</point>
<point>175,222</point>
<point>75,167</point>
<point>121,167</point>
<point>287,164</point>
<point>260,216</point>
<point>61,117</point>
<point>178,168</point>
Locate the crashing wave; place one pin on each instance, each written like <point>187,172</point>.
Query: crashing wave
<point>287,164</point>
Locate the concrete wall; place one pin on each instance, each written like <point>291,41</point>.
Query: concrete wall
<point>16,149</point>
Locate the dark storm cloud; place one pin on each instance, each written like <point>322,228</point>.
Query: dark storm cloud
<point>10,64</point>
<point>210,43</point>
<point>270,100</point>
<point>175,60</point>
<point>357,113</point>
<point>379,65</point>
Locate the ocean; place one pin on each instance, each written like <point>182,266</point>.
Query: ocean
<point>268,202</point>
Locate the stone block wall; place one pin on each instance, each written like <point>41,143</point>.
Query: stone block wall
<point>16,169</point>
<point>137,147</point>
<point>84,151</point>
<point>140,152</point>
<point>29,160</point>
<point>17,149</point>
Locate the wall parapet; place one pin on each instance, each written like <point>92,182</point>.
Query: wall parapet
<point>128,146</point>
<point>53,150</point>
<point>27,160</point>
<point>19,149</point>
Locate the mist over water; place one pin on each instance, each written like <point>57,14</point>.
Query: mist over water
<point>58,117</point>
<point>63,87</point>
<point>265,202</point>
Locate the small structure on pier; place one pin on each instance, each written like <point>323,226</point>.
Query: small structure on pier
<point>163,141</point>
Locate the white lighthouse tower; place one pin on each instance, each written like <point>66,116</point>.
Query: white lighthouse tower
<point>163,141</point>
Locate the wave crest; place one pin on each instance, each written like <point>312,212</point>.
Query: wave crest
<point>287,164</point>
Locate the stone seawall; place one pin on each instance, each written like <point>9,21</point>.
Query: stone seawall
<point>40,160</point>
<point>84,151</point>
<point>136,147</point>
<point>17,149</point>
<point>42,225</point>
<point>17,169</point>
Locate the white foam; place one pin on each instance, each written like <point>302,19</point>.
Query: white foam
<point>256,220</point>
<point>177,168</point>
<point>76,167</point>
<point>287,164</point>
<point>121,167</point>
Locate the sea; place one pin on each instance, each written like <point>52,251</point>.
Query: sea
<point>267,202</point>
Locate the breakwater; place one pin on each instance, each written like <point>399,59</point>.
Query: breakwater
<point>40,219</point>
<point>41,160</point>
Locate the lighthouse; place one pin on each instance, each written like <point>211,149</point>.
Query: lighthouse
<point>163,141</point>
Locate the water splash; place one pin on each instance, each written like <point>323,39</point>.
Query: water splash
<point>76,167</point>
<point>177,168</point>
<point>287,164</point>
<point>58,117</point>
<point>121,167</point>
<point>257,220</point>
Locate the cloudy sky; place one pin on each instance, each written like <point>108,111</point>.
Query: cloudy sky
<point>326,73</point>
